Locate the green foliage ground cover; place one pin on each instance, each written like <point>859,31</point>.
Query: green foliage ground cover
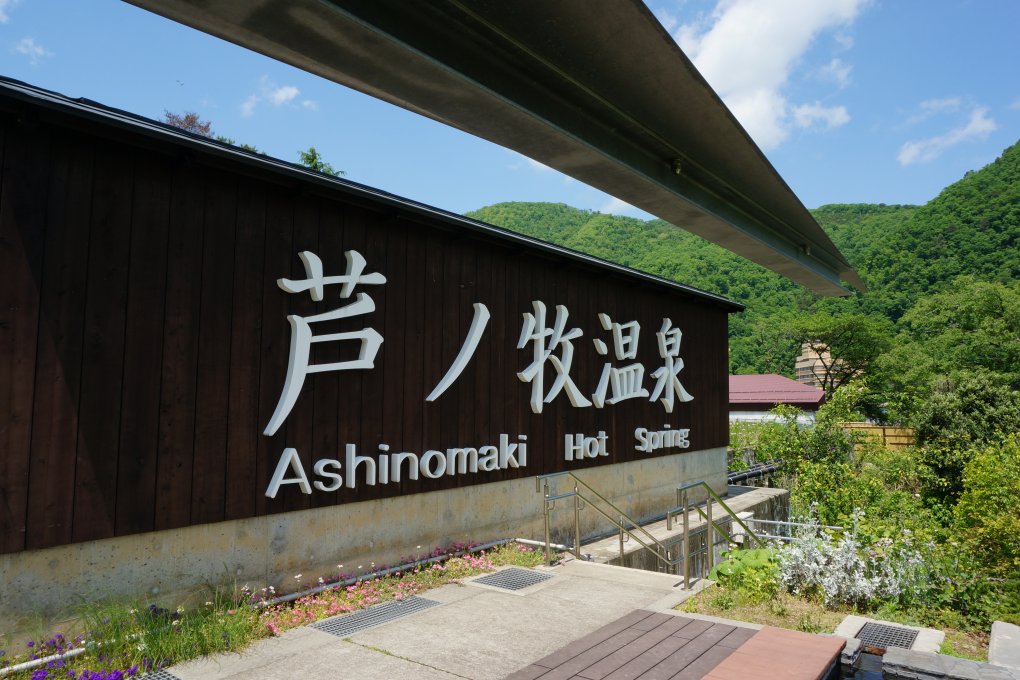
<point>930,537</point>
<point>933,527</point>
<point>123,639</point>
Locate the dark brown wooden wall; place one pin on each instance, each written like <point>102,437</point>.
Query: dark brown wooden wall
<point>144,342</point>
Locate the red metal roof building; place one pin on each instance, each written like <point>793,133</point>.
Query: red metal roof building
<point>752,396</point>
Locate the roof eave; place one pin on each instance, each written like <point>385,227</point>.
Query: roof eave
<point>597,90</point>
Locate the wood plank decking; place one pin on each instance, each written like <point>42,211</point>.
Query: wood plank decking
<point>652,646</point>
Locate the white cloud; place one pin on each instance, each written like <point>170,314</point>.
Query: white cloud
<point>248,106</point>
<point>310,104</point>
<point>5,7</point>
<point>281,95</point>
<point>747,50</point>
<point>807,115</point>
<point>938,105</point>
<point>923,150</point>
<point>668,21</point>
<point>273,94</point>
<point>31,49</point>
<point>616,207</point>
<point>1015,106</point>
<point>837,71</point>
<point>932,107</point>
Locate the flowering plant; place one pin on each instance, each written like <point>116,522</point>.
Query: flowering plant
<point>846,573</point>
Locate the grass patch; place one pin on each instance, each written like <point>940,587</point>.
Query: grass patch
<point>973,646</point>
<point>793,612</point>
<point>123,641</point>
<point>782,611</point>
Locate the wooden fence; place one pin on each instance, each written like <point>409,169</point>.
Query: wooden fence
<point>890,436</point>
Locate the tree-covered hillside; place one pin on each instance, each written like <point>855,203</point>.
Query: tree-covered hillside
<point>903,253</point>
<point>934,343</point>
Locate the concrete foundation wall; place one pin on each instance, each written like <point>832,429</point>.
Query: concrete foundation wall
<point>41,587</point>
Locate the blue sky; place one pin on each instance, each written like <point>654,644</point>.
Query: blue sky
<point>872,101</point>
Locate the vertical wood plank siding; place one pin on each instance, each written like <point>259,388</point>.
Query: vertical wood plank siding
<point>144,341</point>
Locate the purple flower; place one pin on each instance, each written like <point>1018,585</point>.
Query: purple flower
<point>30,644</point>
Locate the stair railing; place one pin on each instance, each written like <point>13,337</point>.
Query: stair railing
<point>639,534</point>
<point>683,506</point>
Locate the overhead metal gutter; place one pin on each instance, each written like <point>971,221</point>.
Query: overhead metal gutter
<point>596,89</point>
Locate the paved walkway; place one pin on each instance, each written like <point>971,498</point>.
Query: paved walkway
<point>481,632</point>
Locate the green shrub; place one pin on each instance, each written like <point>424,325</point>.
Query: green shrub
<point>970,407</point>
<point>753,574</point>
<point>986,515</point>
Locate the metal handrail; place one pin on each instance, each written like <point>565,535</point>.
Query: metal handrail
<point>683,505</point>
<point>791,538</point>
<point>708,517</point>
<point>663,553</point>
<point>660,550</point>
<point>796,524</point>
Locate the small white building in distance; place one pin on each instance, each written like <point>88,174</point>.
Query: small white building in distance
<point>753,396</point>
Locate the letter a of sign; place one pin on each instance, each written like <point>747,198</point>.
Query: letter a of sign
<point>301,336</point>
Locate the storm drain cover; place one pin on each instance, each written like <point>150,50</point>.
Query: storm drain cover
<point>882,636</point>
<point>348,624</point>
<point>513,578</point>
<point>161,675</point>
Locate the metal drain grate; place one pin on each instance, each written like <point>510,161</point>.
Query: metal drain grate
<point>883,636</point>
<point>513,578</point>
<point>160,675</point>
<point>348,624</point>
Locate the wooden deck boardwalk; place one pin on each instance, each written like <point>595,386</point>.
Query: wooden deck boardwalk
<point>653,646</point>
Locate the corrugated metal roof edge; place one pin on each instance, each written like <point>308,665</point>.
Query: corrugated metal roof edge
<point>99,112</point>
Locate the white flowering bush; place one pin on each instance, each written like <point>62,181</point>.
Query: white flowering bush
<point>845,573</point>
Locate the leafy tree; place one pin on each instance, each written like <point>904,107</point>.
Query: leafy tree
<point>313,160</point>
<point>189,121</point>
<point>232,142</point>
<point>971,325</point>
<point>969,407</point>
<point>967,410</point>
<point>986,515</point>
<point>847,345</point>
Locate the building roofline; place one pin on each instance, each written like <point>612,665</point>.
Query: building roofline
<point>95,112</point>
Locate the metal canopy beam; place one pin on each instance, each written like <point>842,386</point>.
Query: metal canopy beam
<point>596,89</point>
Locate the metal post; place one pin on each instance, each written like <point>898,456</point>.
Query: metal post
<point>548,540</point>
<point>577,524</point>
<point>711,535</point>
<point>621,541</point>
<point>687,545</point>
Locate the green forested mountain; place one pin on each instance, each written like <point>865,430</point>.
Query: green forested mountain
<point>903,253</point>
